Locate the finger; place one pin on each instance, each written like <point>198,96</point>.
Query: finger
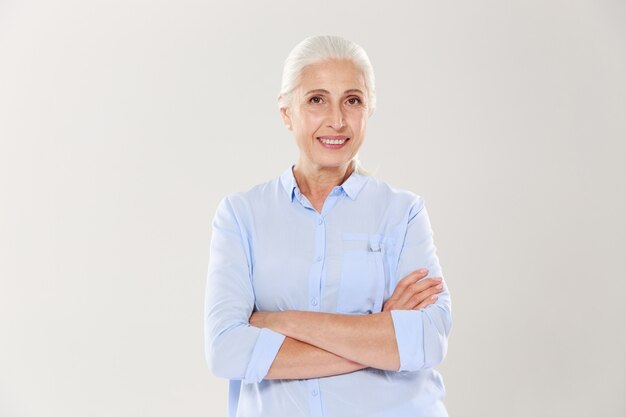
<point>430,297</point>
<point>415,289</point>
<point>411,279</point>
<point>434,288</point>
<point>418,300</point>
<point>407,281</point>
<point>428,301</point>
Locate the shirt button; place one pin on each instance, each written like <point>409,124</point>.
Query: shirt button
<point>314,301</point>
<point>319,258</point>
<point>314,392</point>
<point>320,221</point>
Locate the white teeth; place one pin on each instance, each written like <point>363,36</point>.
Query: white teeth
<point>332,141</point>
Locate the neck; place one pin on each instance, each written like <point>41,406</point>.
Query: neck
<point>318,182</point>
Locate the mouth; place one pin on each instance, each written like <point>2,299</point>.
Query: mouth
<point>333,142</point>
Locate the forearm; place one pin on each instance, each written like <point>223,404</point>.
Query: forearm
<point>364,339</point>
<point>300,360</point>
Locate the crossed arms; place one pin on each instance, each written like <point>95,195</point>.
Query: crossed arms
<point>410,333</point>
<point>324,344</point>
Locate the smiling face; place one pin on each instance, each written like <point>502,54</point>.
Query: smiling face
<point>328,115</point>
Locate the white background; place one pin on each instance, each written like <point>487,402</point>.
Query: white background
<point>123,123</point>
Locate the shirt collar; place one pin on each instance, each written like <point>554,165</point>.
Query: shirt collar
<point>352,186</point>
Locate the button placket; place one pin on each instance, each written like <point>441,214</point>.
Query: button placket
<point>317,267</point>
<point>315,288</point>
<point>315,399</point>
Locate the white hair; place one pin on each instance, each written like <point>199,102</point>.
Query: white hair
<point>321,48</point>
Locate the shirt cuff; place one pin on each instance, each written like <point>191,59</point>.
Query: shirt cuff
<point>265,349</point>
<point>409,329</point>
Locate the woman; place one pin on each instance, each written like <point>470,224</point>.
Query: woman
<point>324,291</point>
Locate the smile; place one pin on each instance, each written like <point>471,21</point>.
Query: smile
<point>327,141</point>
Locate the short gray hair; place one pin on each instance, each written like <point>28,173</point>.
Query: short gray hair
<point>320,48</point>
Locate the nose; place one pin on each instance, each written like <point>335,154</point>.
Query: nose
<point>336,118</point>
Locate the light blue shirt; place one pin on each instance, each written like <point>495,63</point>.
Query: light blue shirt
<point>272,251</point>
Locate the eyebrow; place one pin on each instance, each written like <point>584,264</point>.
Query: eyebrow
<point>321,90</point>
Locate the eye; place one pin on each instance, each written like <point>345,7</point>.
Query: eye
<point>315,100</point>
<point>351,100</point>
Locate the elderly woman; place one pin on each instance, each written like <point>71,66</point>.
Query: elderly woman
<point>324,294</point>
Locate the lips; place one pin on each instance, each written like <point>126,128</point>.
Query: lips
<point>333,137</point>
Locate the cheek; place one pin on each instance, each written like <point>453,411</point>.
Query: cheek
<point>358,122</point>
<point>314,119</point>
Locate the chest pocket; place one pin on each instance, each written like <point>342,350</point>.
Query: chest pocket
<point>363,277</point>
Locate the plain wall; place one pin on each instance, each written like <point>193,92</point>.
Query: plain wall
<point>123,123</point>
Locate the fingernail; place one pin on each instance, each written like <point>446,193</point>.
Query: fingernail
<point>423,271</point>
<point>438,279</point>
<point>439,286</point>
<point>434,297</point>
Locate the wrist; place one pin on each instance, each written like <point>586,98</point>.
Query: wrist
<point>280,321</point>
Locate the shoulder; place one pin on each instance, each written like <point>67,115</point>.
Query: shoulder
<point>258,195</point>
<point>397,197</point>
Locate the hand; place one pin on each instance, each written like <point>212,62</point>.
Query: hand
<point>413,292</point>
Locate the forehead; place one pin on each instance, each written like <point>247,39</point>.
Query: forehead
<point>332,75</point>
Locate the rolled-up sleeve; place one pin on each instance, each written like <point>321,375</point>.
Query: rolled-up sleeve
<point>233,348</point>
<point>421,335</point>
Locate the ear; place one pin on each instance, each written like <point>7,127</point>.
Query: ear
<point>285,114</point>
